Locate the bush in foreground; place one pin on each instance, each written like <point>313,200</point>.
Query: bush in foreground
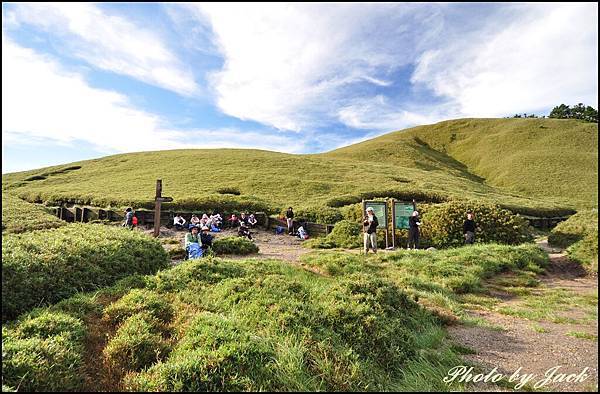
<point>43,353</point>
<point>44,267</point>
<point>234,245</point>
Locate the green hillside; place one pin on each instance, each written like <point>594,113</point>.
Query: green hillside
<point>530,165</point>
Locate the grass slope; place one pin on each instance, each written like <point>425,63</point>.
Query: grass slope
<point>549,158</point>
<point>19,216</point>
<point>528,164</point>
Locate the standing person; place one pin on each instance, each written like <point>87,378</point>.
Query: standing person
<point>413,230</point>
<point>371,232</point>
<point>128,219</point>
<point>469,229</point>
<point>289,215</point>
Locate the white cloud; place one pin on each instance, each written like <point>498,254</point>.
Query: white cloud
<point>286,65</point>
<point>109,42</point>
<point>41,101</point>
<point>377,113</point>
<point>533,58</point>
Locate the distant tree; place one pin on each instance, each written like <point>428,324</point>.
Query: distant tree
<point>578,111</point>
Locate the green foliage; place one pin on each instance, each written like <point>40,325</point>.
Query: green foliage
<point>586,251</point>
<point>574,229</point>
<point>19,216</point>
<point>579,111</point>
<point>540,170</point>
<point>140,301</point>
<point>44,353</point>
<point>137,344</point>
<point>323,215</point>
<point>345,234</point>
<point>443,224</point>
<point>44,267</point>
<point>234,245</point>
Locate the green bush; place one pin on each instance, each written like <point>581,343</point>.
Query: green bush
<point>586,251</point>
<point>44,267</point>
<point>234,245</point>
<point>443,224</point>
<point>574,229</point>
<point>140,301</point>
<point>19,216</point>
<point>323,215</point>
<point>345,234</point>
<point>137,344</point>
<point>44,353</point>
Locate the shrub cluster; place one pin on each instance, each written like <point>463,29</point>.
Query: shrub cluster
<point>19,216</point>
<point>234,245</point>
<point>580,235</point>
<point>44,267</point>
<point>443,224</point>
<point>345,234</point>
<point>43,353</point>
<point>322,215</point>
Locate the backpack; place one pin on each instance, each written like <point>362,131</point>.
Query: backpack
<point>194,251</point>
<point>134,221</point>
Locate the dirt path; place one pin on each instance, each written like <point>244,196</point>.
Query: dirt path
<point>537,346</point>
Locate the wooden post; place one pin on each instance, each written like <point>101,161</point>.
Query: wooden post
<point>157,207</point>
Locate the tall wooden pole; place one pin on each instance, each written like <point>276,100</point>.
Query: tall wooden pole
<point>393,223</point>
<point>157,207</point>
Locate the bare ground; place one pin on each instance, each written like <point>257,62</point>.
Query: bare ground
<point>518,345</point>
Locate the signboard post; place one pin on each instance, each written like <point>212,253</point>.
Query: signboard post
<point>401,211</point>
<point>380,211</point>
<point>159,199</point>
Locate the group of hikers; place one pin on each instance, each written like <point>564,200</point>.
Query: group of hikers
<point>371,223</point>
<point>198,239</point>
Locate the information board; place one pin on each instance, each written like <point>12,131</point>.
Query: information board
<point>380,211</point>
<point>402,211</point>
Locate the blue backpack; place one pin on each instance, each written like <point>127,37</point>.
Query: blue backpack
<point>279,230</point>
<point>194,251</point>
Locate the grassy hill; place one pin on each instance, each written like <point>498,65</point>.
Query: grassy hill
<point>530,165</point>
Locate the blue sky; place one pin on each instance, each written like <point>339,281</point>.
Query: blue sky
<point>81,81</point>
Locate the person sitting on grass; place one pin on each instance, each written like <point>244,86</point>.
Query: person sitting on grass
<point>194,221</point>
<point>216,220</point>
<point>178,222</point>
<point>193,244</point>
<point>244,218</point>
<point>244,231</point>
<point>206,238</point>
<point>252,221</point>
<point>234,221</point>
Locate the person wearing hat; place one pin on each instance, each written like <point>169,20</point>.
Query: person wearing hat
<point>206,238</point>
<point>413,230</point>
<point>193,243</point>
<point>371,223</point>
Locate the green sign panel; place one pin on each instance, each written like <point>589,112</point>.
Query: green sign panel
<point>380,211</point>
<point>403,210</point>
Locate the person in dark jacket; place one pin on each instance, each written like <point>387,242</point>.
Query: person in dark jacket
<point>206,238</point>
<point>244,231</point>
<point>413,230</point>
<point>469,229</point>
<point>371,223</point>
<point>289,215</point>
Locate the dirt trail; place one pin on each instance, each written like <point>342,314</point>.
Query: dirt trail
<point>537,346</point>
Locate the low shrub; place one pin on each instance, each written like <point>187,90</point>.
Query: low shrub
<point>234,245</point>
<point>44,267</point>
<point>574,229</point>
<point>19,216</point>
<point>140,301</point>
<point>586,251</point>
<point>137,344</point>
<point>324,215</point>
<point>443,224</point>
<point>44,353</point>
